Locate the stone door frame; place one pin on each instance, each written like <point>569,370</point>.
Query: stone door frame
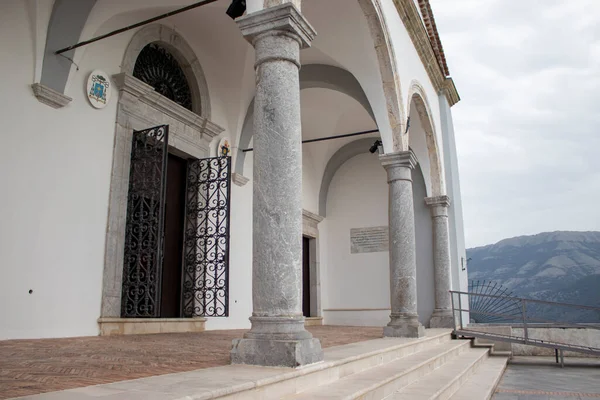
<point>141,107</point>
<point>311,231</point>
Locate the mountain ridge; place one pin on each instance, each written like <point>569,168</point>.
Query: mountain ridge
<point>560,266</point>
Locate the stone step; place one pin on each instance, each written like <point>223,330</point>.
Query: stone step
<point>250,382</point>
<point>445,380</point>
<point>483,382</point>
<point>382,380</point>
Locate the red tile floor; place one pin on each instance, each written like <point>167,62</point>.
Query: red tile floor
<point>45,365</point>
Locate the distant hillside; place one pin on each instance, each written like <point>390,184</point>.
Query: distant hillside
<point>554,266</point>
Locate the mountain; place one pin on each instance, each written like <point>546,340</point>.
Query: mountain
<point>554,266</point>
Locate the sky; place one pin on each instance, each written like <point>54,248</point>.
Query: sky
<point>528,123</point>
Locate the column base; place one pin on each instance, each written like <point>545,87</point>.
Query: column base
<point>277,342</point>
<point>441,319</point>
<point>404,325</point>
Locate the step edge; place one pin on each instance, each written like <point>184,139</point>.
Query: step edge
<point>471,370</point>
<point>467,369</point>
<point>395,376</point>
<point>495,383</point>
<point>314,368</point>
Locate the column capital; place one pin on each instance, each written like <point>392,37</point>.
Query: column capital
<point>285,17</point>
<point>442,201</point>
<point>399,165</point>
<point>439,205</point>
<point>399,159</point>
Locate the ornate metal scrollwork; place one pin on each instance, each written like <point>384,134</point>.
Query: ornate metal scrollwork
<point>205,284</point>
<point>144,226</point>
<point>157,67</point>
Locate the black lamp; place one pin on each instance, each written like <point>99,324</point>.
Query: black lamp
<point>236,9</point>
<point>375,146</point>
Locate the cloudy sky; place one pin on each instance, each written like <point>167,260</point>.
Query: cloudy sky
<point>528,124</point>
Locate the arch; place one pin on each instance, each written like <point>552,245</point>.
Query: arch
<point>311,76</point>
<point>66,24</point>
<point>345,153</point>
<point>418,99</point>
<point>183,53</point>
<point>390,78</point>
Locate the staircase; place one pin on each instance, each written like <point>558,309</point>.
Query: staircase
<point>434,368</point>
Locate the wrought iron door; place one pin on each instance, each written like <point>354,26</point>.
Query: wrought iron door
<point>205,283</point>
<point>144,225</point>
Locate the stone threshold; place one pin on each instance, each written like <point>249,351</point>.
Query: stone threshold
<point>313,321</point>
<point>142,326</point>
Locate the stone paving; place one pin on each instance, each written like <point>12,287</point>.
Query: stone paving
<point>37,366</point>
<point>540,378</point>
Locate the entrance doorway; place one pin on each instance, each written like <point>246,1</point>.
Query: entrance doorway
<point>176,257</point>
<point>174,226</point>
<point>306,276</point>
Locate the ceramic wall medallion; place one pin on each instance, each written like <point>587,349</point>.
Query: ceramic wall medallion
<point>224,148</point>
<point>98,89</point>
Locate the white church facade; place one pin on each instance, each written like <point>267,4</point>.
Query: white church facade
<point>296,164</point>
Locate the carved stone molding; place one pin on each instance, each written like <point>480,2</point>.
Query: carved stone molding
<point>239,179</point>
<point>409,14</point>
<point>137,91</point>
<point>190,134</point>
<point>309,224</point>
<point>49,96</point>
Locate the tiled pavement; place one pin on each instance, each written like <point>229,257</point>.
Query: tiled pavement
<point>539,378</point>
<point>37,366</point>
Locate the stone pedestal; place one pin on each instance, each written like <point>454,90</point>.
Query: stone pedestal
<point>277,336</point>
<point>404,320</point>
<point>442,314</point>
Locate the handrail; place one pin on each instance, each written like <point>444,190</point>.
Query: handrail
<point>512,309</point>
<point>528,300</point>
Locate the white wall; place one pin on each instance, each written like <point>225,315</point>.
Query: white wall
<point>410,67</point>
<point>57,166</point>
<point>356,286</point>
<point>55,176</point>
<point>357,199</point>
<point>424,252</point>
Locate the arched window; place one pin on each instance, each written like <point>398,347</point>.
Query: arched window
<point>157,67</point>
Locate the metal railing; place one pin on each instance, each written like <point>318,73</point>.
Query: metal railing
<point>509,311</point>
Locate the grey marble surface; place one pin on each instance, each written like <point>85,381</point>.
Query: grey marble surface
<point>442,315</point>
<point>403,267</point>
<point>277,336</point>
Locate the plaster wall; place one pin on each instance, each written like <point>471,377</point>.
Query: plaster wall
<point>460,279</point>
<point>424,246</point>
<point>356,286</point>
<point>357,199</point>
<point>410,67</point>
<point>56,177</point>
<point>54,210</point>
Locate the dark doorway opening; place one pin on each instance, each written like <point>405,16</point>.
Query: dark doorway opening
<point>306,276</point>
<point>173,244</point>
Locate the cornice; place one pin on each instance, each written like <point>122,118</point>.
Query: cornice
<point>49,96</point>
<point>147,95</point>
<point>409,14</point>
<point>312,217</point>
<point>239,179</point>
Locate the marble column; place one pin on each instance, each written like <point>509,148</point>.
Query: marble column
<point>442,314</point>
<point>277,336</point>
<point>404,321</point>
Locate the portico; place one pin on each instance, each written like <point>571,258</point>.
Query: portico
<point>279,244</point>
